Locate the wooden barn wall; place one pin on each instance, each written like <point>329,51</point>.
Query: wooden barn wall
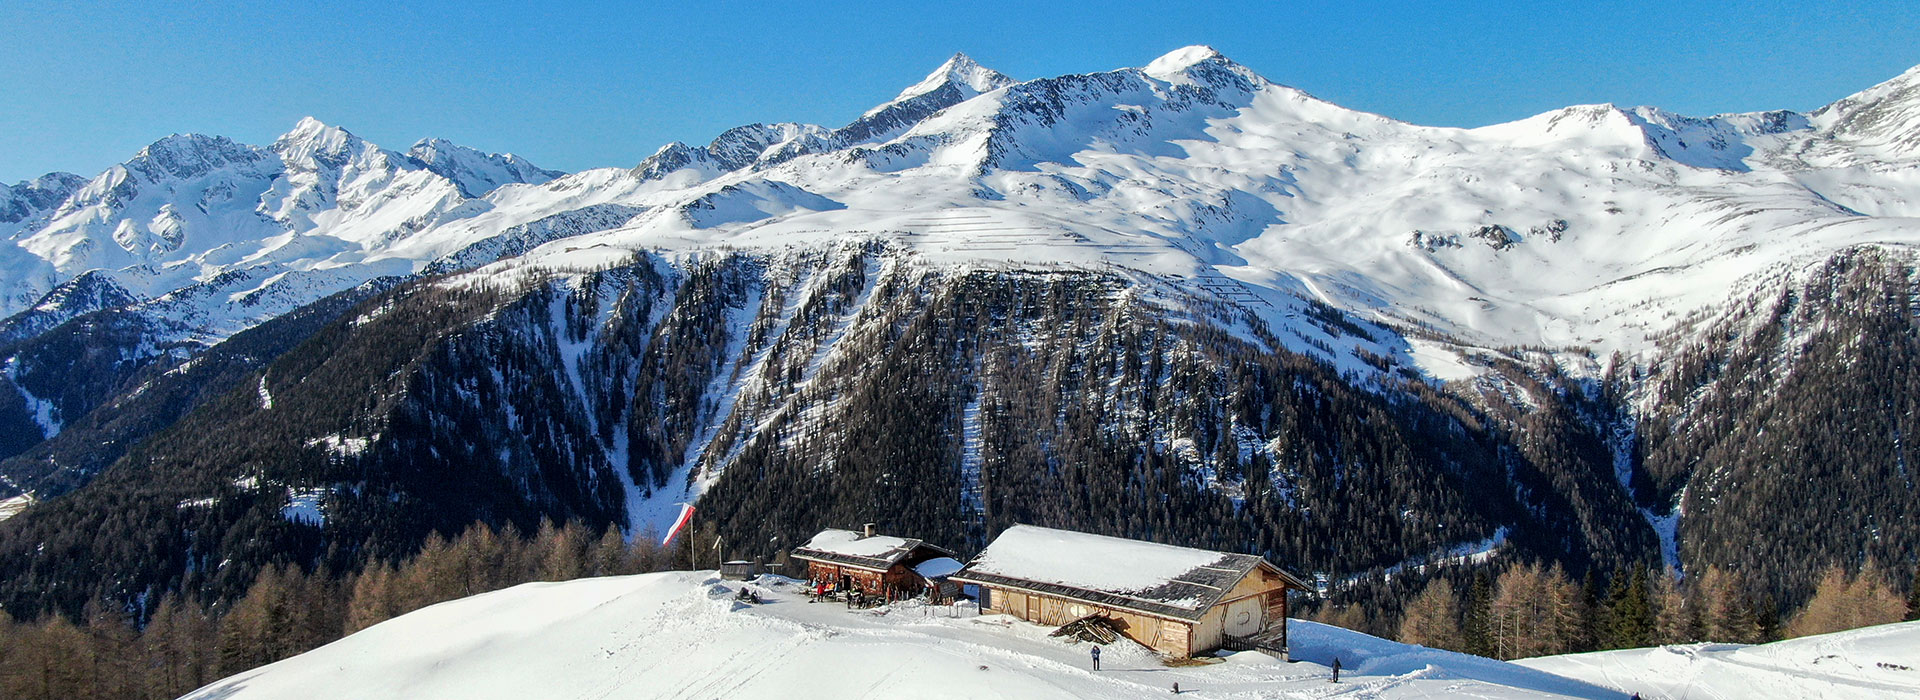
<point>1210,632</point>
<point>1165,636</point>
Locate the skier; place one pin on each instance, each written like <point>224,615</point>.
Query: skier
<point>1096,657</point>
<point>1336,669</point>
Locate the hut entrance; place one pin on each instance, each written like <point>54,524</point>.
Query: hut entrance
<point>1244,616</point>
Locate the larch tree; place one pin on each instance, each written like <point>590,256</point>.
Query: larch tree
<point>113,661</point>
<point>1433,618</point>
<point>1843,602</point>
<point>1675,621</point>
<point>1726,615</point>
<point>1532,611</point>
<point>257,629</point>
<point>1913,596</point>
<point>373,600</point>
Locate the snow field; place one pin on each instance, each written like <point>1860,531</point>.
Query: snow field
<point>1873,662</point>
<point>681,635</point>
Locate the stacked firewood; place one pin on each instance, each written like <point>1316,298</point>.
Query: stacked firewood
<point>1092,628</point>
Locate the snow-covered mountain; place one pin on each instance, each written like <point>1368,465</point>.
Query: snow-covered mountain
<point>477,173</point>
<point>1590,226</point>
<point>1588,295</point>
<point>27,198</point>
<point>227,223</point>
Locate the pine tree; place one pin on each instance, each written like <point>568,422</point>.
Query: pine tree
<point>1477,623</point>
<point>1766,618</point>
<point>1627,618</point>
<point>1591,609</point>
<point>610,556</point>
<point>432,576</point>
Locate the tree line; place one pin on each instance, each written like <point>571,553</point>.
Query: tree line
<point>179,644</point>
<point>1535,609</point>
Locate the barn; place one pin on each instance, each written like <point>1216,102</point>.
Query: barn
<point>1176,600</point>
<point>878,566</point>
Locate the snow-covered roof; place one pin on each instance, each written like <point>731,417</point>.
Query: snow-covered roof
<point>1159,579</point>
<point>938,567</point>
<point>879,552</point>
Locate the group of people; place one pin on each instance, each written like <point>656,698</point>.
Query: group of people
<point>855,596</point>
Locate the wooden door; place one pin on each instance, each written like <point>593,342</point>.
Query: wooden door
<point>1033,607</point>
<point>1246,617</point>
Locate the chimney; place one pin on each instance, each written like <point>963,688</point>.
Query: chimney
<point>867,530</point>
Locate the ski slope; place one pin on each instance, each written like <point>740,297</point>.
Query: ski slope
<point>681,635</point>
<point>1874,662</point>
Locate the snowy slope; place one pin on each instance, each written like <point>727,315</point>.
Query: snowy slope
<point>680,635</point>
<point>1591,226</point>
<point>1588,226</point>
<point>1873,662</point>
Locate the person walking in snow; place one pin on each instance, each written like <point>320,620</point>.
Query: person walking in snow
<point>1096,657</point>
<point>1336,669</point>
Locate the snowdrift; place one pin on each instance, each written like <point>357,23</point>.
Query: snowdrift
<point>1873,662</point>
<point>682,635</point>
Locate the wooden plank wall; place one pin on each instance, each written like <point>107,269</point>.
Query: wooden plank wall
<point>1165,636</point>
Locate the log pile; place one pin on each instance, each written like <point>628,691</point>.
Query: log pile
<point>1092,628</point>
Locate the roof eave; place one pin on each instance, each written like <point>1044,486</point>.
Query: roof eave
<point>1195,617</point>
<point>841,562</point>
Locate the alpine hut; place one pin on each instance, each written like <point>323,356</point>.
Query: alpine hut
<point>1176,600</point>
<point>878,566</point>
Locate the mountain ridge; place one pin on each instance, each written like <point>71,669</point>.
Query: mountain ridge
<point>1245,299</point>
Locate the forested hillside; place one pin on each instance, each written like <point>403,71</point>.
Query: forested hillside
<point>1583,360</point>
<point>814,389</point>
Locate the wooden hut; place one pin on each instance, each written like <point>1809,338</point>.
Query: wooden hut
<point>878,566</point>
<point>1176,600</point>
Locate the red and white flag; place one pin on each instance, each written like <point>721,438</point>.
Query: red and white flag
<point>686,516</point>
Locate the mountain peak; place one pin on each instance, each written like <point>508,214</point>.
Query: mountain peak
<point>474,171</point>
<point>309,128</point>
<point>1887,114</point>
<point>29,197</point>
<point>311,136</point>
<point>188,155</point>
<point>962,72</point>
<point>1179,60</point>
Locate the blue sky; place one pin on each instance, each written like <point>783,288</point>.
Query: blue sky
<point>576,86</point>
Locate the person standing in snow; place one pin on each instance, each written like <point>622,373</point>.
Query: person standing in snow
<point>1336,669</point>
<point>1096,657</point>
